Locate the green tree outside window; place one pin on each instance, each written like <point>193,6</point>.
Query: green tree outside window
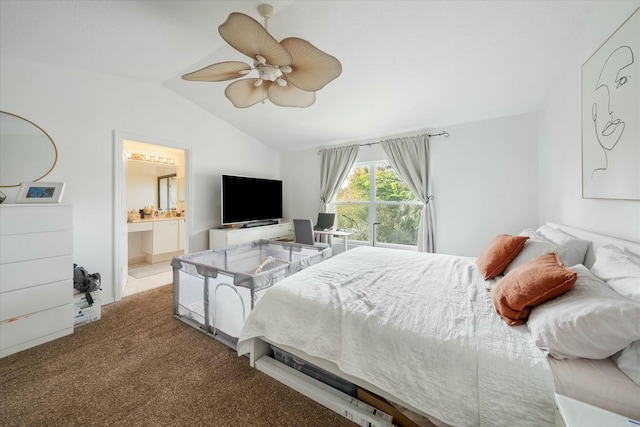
<point>383,198</point>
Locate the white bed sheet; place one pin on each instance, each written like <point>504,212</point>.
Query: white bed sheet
<point>422,328</point>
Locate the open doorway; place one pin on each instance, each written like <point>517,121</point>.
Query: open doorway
<point>152,212</point>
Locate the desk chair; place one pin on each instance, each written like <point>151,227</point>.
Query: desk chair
<point>303,231</point>
<point>325,221</point>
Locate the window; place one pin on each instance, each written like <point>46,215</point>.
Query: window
<point>367,198</point>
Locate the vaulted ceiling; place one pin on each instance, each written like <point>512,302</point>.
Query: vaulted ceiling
<point>407,66</point>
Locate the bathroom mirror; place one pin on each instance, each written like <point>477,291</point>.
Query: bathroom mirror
<point>27,153</point>
<point>168,192</point>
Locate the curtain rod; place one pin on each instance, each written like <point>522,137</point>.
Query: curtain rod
<point>443,133</point>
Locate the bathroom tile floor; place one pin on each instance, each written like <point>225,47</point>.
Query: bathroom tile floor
<point>135,285</point>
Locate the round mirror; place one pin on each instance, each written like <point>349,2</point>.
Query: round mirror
<point>27,153</point>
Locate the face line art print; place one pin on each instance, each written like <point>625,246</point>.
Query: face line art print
<point>609,129</point>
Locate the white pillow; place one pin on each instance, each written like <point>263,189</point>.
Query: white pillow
<point>620,269</point>
<point>533,248</point>
<point>577,248</point>
<point>628,361</point>
<point>529,232</point>
<point>590,321</point>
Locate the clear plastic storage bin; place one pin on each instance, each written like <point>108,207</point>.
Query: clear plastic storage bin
<point>315,372</point>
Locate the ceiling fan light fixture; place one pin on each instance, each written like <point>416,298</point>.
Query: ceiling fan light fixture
<point>268,73</point>
<point>307,68</point>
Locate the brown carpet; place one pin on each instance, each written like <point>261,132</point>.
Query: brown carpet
<point>138,366</point>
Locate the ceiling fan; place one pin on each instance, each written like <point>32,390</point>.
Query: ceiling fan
<point>289,72</point>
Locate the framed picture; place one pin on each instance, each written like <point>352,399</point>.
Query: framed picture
<point>611,116</point>
<point>40,192</point>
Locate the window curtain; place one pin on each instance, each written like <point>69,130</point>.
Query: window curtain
<point>334,168</point>
<point>409,158</point>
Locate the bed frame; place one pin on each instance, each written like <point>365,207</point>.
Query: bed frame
<point>319,393</point>
<point>597,240</point>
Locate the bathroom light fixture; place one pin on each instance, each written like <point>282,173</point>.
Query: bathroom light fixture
<point>151,158</point>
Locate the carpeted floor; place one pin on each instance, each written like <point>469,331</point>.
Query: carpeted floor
<point>138,366</point>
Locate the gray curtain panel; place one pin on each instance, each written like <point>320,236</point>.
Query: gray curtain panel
<point>409,158</point>
<point>334,169</point>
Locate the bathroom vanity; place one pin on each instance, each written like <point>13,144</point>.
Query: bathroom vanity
<point>156,240</point>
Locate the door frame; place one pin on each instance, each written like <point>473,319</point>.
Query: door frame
<point>120,229</point>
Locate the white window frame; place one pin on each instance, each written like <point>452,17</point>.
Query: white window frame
<point>372,203</point>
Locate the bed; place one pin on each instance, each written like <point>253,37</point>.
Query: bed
<point>422,331</point>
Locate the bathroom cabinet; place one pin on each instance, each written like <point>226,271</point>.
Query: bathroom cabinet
<point>161,239</point>
<point>36,275</point>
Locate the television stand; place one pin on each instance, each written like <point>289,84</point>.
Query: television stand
<point>220,238</point>
<point>259,223</point>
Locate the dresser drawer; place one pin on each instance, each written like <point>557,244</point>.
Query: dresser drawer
<point>22,219</point>
<point>22,247</point>
<point>23,274</point>
<point>36,328</point>
<point>36,274</point>
<point>34,299</point>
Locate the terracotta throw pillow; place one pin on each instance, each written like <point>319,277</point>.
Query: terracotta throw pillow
<point>499,254</point>
<point>531,284</point>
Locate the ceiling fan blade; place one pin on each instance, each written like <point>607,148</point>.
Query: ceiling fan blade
<point>243,93</point>
<point>312,68</point>
<point>290,96</point>
<point>246,35</point>
<point>219,72</point>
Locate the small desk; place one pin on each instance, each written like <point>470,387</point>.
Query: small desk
<point>338,233</point>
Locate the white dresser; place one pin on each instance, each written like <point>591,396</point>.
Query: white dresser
<point>36,274</point>
<point>222,237</point>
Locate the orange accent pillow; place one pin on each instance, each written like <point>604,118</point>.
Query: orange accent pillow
<point>499,254</point>
<point>531,284</point>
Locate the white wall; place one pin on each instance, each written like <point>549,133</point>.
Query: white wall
<point>300,173</point>
<point>560,140</point>
<point>484,181</point>
<point>81,111</point>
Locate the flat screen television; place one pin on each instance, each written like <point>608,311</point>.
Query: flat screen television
<point>250,200</point>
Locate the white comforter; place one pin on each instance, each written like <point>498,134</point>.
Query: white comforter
<point>419,326</point>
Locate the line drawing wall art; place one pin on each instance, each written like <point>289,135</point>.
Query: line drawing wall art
<point>611,116</point>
